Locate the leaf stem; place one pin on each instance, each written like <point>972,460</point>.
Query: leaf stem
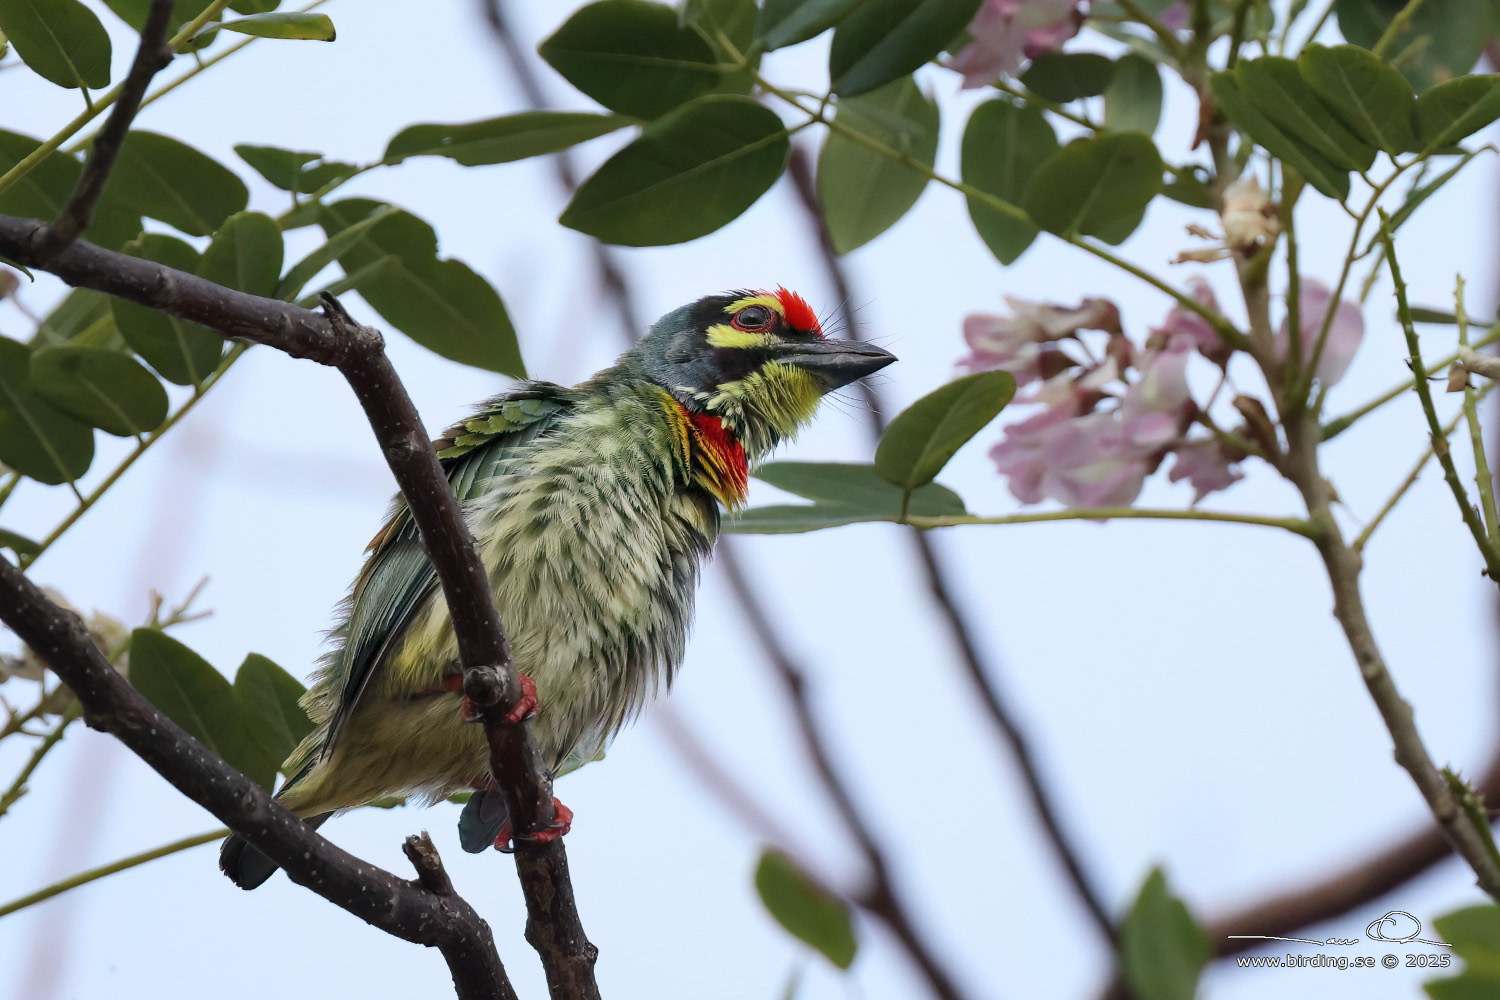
<point>1397,25</point>
<point>1482,479</point>
<point>1338,425</point>
<point>18,787</point>
<point>1295,525</point>
<point>1487,550</point>
<point>114,867</point>
<point>1170,42</point>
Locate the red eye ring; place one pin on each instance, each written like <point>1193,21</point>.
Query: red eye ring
<point>752,319</point>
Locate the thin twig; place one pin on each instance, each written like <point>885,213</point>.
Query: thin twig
<point>1297,525</point>
<point>18,787</point>
<point>1397,25</point>
<point>1482,480</point>
<point>1363,537</point>
<point>151,57</point>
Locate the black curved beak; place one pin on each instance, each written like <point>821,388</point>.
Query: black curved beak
<point>836,363</point>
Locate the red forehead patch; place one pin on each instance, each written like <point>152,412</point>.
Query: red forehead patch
<point>799,315</point>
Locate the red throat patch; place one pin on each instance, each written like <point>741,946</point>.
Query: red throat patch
<point>799,315</point>
<point>720,459</point>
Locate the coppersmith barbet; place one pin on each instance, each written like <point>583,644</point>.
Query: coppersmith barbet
<point>593,507</point>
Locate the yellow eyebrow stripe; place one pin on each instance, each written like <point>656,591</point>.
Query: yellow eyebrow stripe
<point>724,335</point>
<point>771,302</point>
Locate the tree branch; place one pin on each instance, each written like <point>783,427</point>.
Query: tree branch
<point>489,675</point>
<point>151,57</point>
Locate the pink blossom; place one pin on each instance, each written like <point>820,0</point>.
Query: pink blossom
<point>1091,463</point>
<point>1345,333</point>
<point>1206,465</point>
<point>1185,322</point>
<point>1021,342</point>
<point>1006,30</point>
<point>1021,454</point>
<point>1175,17</point>
<point>1153,409</point>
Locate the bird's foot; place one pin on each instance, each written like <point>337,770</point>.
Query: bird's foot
<point>562,822</point>
<point>524,708</point>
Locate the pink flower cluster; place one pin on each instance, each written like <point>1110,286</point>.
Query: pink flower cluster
<point>1005,31</point>
<point>1110,417</point>
<point>1108,420</point>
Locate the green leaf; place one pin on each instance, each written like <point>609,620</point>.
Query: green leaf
<point>103,388</point>
<point>82,317</point>
<point>1321,174</point>
<point>245,254</point>
<point>1068,76</point>
<point>133,12</point>
<point>279,166</point>
<point>44,190</point>
<point>1132,101</point>
<point>501,140</point>
<point>160,177</point>
<point>254,6</point>
<point>843,494</point>
<point>728,26</point>
<point>1003,147</point>
<point>181,352</point>
<point>632,57</point>
<point>187,690</point>
<point>1275,88</point>
<point>308,267</point>
<point>1440,41</point>
<point>1456,109</point>
<point>441,304</point>
<point>311,27</point>
<point>1162,948</point>
<point>61,40</point>
<point>1367,94</point>
<point>809,912</point>
<point>689,173</point>
<point>883,40</point>
<point>36,438</point>
<point>924,436</point>
<point>1091,185</point>
<point>19,544</point>
<point>1474,933</point>
<point>864,192</point>
<point>788,22</point>
<point>270,702</point>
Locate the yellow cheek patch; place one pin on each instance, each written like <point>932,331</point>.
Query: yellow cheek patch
<point>771,302</point>
<point>724,335</point>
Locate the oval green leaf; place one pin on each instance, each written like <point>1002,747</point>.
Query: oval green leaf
<point>843,493</point>
<point>164,179</point>
<point>1456,109</point>
<point>105,389</point>
<point>279,166</point>
<point>42,192</point>
<point>788,22</point>
<point>181,352</point>
<point>1132,101</point>
<point>1367,94</point>
<point>37,439</point>
<point>1274,87</point>
<point>1439,41</point>
<point>864,192</point>
<point>632,57</point>
<point>1068,76</point>
<point>441,304</point>
<point>270,703</point>
<point>1092,185</point>
<point>300,273</point>
<point>190,692</point>
<point>61,40</point>
<point>921,440</point>
<point>884,40</point>
<point>689,173</point>
<point>245,254</point>
<point>1003,147</point>
<point>809,912</point>
<point>83,317</point>
<point>1321,174</point>
<point>1162,947</point>
<point>504,139</point>
<point>309,27</point>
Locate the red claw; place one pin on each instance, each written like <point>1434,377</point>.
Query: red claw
<point>562,822</point>
<point>526,706</point>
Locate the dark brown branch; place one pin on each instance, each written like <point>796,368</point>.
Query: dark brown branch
<point>401,908</point>
<point>489,675</point>
<point>151,57</point>
<point>943,596</point>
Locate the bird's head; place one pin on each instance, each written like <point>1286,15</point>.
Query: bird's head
<point>756,360</point>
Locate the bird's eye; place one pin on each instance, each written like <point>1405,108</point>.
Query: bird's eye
<point>752,318</point>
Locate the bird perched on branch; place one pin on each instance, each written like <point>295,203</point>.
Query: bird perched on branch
<point>592,507</point>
